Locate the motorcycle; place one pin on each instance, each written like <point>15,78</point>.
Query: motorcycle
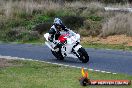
<point>71,47</point>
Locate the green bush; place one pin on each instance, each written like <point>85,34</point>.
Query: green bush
<point>22,15</point>
<point>20,34</point>
<point>43,27</point>
<point>73,22</point>
<point>2,25</point>
<point>95,18</point>
<point>37,19</point>
<point>41,18</point>
<point>93,28</point>
<point>83,32</point>
<point>11,23</point>
<point>50,13</point>
<point>12,35</point>
<point>30,36</point>
<point>65,12</point>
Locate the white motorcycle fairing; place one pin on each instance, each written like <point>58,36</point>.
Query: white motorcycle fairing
<point>66,50</point>
<point>70,48</point>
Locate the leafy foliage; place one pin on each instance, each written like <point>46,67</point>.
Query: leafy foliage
<point>73,22</point>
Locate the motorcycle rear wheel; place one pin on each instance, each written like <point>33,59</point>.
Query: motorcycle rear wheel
<point>83,55</point>
<point>58,55</point>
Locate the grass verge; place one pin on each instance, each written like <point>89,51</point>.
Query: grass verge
<point>107,46</point>
<point>86,45</point>
<point>31,74</point>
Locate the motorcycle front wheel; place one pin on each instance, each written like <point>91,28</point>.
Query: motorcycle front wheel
<point>58,55</point>
<point>83,55</point>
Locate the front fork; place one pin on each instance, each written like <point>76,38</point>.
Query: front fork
<point>75,50</point>
<point>51,47</point>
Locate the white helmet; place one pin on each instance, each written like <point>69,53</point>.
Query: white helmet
<point>57,21</point>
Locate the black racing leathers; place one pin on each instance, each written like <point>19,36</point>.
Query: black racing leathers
<point>54,33</point>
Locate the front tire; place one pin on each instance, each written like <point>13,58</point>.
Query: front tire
<point>58,55</point>
<point>83,55</point>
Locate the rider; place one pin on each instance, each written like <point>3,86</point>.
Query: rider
<point>55,30</point>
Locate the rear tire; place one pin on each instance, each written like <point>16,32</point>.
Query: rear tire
<point>83,55</point>
<point>58,55</point>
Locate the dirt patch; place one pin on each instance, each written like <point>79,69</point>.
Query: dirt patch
<point>7,63</point>
<point>116,39</point>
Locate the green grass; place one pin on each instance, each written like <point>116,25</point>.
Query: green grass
<point>41,41</point>
<point>107,46</point>
<point>91,45</point>
<point>31,74</point>
<point>86,45</point>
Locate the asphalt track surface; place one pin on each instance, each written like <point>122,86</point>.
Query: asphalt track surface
<point>115,61</point>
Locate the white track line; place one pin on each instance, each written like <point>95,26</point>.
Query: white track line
<point>97,70</point>
<point>18,58</point>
